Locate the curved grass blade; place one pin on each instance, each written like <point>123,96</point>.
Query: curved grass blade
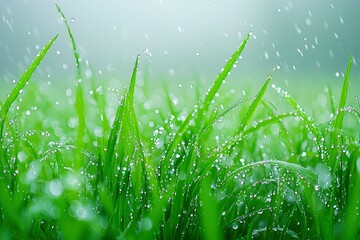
<point>306,173</point>
<point>79,98</point>
<point>22,82</point>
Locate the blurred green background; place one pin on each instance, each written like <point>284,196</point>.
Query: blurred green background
<point>181,40</point>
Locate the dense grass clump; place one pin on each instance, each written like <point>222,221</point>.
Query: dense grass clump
<point>226,168</point>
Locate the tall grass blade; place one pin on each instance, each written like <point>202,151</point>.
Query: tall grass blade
<point>220,79</point>
<point>338,123</point>
<point>21,84</point>
<point>209,212</point>
<point>204,105</point>
<point>79,98</point>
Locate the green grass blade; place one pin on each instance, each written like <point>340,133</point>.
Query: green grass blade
<point>306,173</point>
<point>22,82</point>
<point>338,123</point>
<point>345,88</point>
<point>79,98</point>
<point>209,212</point>
<point>331,98</point>
<point>72,39</point>
<point>204,105</point>
<point>130,98</point>
<point>113,137</point>
<point>254,105</point>
<point>222,76</point>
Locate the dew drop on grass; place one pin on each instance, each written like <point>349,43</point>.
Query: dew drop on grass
<point>55,188</point>
<point>235,226</point>
<point>22,156</point>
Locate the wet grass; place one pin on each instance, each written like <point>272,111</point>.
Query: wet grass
<point>228,167</point>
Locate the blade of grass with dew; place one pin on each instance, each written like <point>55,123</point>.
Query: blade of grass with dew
<point>143,167</point>
<point>113,137</point>
<point>306,173</point>
<point>204,105</point>
<point>338,123</point>
<point>254,105</point>
<point>22,83</point>
<point>79,98</point>
<point>310,125</point>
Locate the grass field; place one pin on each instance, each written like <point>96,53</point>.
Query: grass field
<point>115,163</point>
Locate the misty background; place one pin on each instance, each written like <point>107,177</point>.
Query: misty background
<point>182,39</point>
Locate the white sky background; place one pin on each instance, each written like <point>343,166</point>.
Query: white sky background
<point>183,38</point>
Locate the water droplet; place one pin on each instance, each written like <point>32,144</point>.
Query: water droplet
<point>172,72</point>
<point>55,188</point>
<point>235,226</point>
<point>266,55</point>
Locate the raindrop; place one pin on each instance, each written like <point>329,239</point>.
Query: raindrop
<point>298,30</point>
<point>266,55</point>
<point>180,30</point>
<point>172,72</point>
<point>341,20</point>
